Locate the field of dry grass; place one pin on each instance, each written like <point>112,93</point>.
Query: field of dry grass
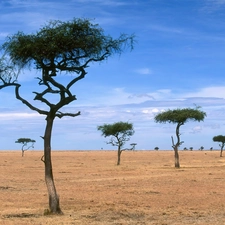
<point>144,189</point>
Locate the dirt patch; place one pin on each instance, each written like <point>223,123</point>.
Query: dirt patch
<point>144,189</point>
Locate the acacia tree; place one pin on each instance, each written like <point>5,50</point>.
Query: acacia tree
<point>25,141</point>
<point>220,138</point>
<point>120,133</point>
<point>179,117</point>
<point>58,48</point>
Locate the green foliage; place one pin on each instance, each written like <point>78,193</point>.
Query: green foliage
<point>219,138</point>
<point>116,128</point>
<point>8,72</point>
<point>65,45</point>
<point>180,115</point>
<point>59,47</point>
<point>25,140</point>
<point>120,130</point>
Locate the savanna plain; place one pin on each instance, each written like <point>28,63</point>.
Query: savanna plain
<point>144,189</point>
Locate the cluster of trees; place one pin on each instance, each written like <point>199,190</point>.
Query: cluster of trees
<point>120,132</point>
<point>57,48</point>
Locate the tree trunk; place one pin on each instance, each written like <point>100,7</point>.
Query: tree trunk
<point>119,154</point>
<point>175,146</point>
<point>49,180</point>
<point>221,152</point>
<point>176,155</point>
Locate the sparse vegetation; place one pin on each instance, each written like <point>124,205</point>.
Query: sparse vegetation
<point>143,191</point>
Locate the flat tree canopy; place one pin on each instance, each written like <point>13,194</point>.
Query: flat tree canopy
<point>65,46</point>
<point>219,138</point>
<point>115,129</point>
<point>180,116</point>
<point>25,140</point>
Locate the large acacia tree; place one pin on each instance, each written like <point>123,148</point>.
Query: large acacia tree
<point>220,138</point>
<point>120,133</point>
<point>57,48</point>
<point>179,117</point>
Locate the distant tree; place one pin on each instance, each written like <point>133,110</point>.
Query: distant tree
<point>211,148</point>
<point>25,141</point>
<point>220,138</point>
<point>201,148</point>
<point>120,133</point>
<point>191,148</point>
<point>133,146</point>
<point>56,49</point>
<point>185,149</point>
<point>179,117</point>
<point>156,148</point>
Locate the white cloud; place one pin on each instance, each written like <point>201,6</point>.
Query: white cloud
<point>144,71</point>
<point>196,129</point>
<point>212,92</point>
<point>213,5</point>
<point>17,115</point>
<point>166,29</point>
<point>105,2</point>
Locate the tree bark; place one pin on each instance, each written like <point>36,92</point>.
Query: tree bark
<point>175,146</point>
<point>176,155</point>
<point>119,154</point>
<point>54,206</point>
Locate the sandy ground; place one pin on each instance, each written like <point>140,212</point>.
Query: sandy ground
<point>144,189</point>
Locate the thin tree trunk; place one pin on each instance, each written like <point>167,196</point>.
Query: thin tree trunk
<point>175,146</point>
<point>176,155</point>
<point>49,180</point>
<point>221,152</point>
<point>119,154</point>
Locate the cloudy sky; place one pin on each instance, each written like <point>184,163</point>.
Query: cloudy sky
<point>178,61</point>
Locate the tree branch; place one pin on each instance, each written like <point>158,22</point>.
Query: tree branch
<point>60,114</point>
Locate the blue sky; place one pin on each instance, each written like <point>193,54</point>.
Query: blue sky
<point>178,61</point>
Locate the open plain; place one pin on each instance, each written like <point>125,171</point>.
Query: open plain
<point>144,189</point>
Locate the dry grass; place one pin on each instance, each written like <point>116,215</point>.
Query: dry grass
<point>145,189</point>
